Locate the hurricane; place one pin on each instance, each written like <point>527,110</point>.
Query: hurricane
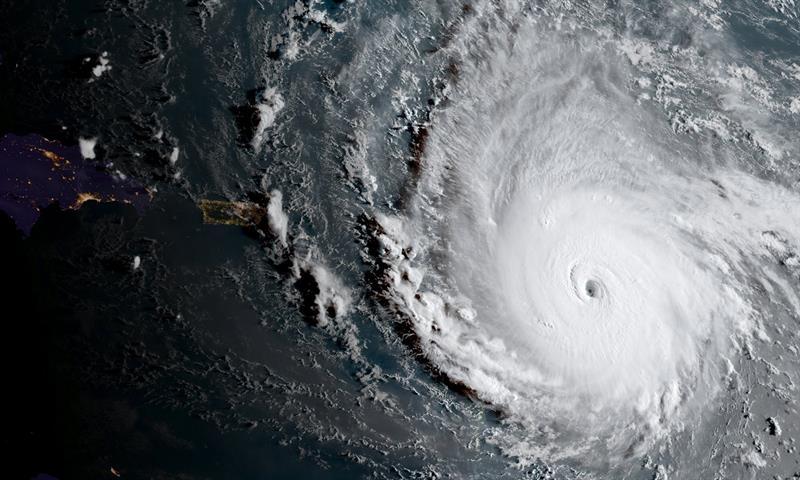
<point>570,255</point>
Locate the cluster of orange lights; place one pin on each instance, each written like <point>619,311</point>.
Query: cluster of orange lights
<point>58,160</point>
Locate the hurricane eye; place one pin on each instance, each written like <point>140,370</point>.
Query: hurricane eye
<point>592,288</point>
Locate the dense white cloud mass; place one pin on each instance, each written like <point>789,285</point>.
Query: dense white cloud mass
<point>582,265</point>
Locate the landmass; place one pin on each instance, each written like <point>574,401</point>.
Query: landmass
<point>36,172</point>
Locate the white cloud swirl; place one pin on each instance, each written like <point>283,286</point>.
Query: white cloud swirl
<point>582,267</point>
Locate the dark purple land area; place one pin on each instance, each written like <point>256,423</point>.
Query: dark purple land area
<point>36,172</point>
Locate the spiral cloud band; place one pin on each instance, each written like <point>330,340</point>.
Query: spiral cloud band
<point>579,266</point>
